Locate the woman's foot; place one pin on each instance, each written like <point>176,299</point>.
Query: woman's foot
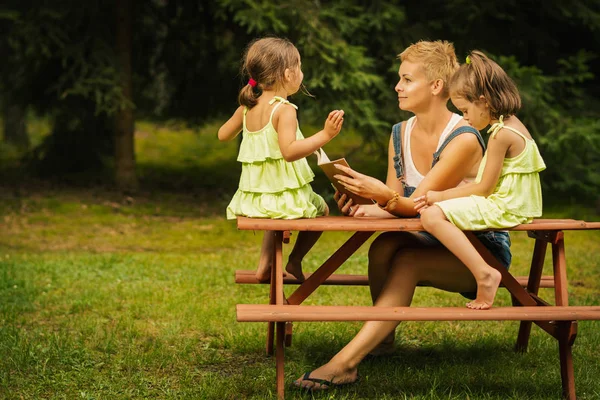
<point>294,267</point>
<point>320,377</point>
<point>486,290</point>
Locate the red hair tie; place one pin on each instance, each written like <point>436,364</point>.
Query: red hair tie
<point>252,82</point>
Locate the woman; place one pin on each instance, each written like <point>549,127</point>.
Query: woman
<point>433,150</point>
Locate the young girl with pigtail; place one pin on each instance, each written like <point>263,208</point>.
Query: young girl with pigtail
<point>507,190</point>
<point>275,179</point>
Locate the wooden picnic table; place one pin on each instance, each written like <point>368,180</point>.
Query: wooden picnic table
<point>558,319</point>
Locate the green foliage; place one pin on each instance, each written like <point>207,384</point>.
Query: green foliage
<point>60,50</point>
<point>563,120</point>
<point>186,61</point>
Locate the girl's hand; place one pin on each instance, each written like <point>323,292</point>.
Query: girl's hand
<point>344,203</point>
<point>333,123</point>
<point>370,210</point>
<point>347,207</point>
<point>362,185</point>
<point>428,199</point>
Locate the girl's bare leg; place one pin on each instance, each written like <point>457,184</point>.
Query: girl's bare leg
<point>381,255</point>
<point>438,268</point>
<point>306,240</point>
<point>265,263</point>
<point>488,278</point>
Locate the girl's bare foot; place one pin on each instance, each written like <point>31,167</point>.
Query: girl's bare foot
<point>263,273</point>
<point>486,290</point>
<point>326,373</point>
<point>294,267</point>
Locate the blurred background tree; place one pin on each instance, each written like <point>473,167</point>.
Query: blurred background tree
<point>89,67</point>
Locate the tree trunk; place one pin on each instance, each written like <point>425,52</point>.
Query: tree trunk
<point>125,175</point>
<point>15,129</point>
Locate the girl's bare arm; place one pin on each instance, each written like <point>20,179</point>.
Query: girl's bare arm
<point>230,129</point>
<point>286,123</point>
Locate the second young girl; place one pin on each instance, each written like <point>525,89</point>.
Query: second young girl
<point>507,190</point>
<point>276,177</point>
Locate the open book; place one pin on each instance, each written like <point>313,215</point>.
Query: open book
<point>330,170</point>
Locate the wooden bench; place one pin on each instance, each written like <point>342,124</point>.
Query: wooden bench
<point>559,320</point>
<point>247,276</point>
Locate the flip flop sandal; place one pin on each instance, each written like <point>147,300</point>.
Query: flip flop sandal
<point>324,384</point>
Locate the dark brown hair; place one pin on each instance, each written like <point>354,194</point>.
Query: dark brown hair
<point>265,61</point>
<point>481,76</point>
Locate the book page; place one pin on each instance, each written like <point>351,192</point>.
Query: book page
<point>330,170</point>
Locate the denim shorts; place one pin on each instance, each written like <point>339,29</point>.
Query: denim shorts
<point>497,242</point>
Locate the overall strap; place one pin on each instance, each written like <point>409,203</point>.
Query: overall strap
<point>397,141</point>
<point>458,131</point>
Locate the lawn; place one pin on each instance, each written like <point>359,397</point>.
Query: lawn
<point>111,296</point>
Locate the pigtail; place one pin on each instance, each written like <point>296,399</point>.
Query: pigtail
<point>248,96</point>
<point>264,63</point>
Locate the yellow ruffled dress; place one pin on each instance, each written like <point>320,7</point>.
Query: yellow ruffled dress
<point>271,187</point>
<point>517,198</point>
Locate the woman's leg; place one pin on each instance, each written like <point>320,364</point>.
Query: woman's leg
<point>381,255</point>
<point>306,240</point>
<point>436,267</point>
<point>488,278</point>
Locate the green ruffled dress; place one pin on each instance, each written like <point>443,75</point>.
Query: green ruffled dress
<point>517,198</point>
<point>271,187</point>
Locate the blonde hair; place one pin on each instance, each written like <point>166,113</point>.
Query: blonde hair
<point>481,76</point>
<point>265,61</point>
<point>438,59</point>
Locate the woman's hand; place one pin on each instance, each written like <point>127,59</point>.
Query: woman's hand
<point>428,199</point>
<point>363,185</point>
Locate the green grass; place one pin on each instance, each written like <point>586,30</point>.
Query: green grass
<point>106,296</point>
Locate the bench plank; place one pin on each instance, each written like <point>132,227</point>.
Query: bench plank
<point>246,276</point>
<point>285,313</point>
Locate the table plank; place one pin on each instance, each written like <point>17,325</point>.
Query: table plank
<point>363,224</point>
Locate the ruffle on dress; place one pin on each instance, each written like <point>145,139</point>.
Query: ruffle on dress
<point>261,145</point>
<point>289,204</point>
<point>273,176</point>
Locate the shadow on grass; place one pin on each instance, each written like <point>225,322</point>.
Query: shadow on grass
<point>485,369</point>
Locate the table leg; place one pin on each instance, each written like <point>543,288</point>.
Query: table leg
<point>272,289</point>
<point>567,330</point>
<point>279,359</point>
<point>271,325</point>
<point>533,286</point>
<point>276,295</point>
